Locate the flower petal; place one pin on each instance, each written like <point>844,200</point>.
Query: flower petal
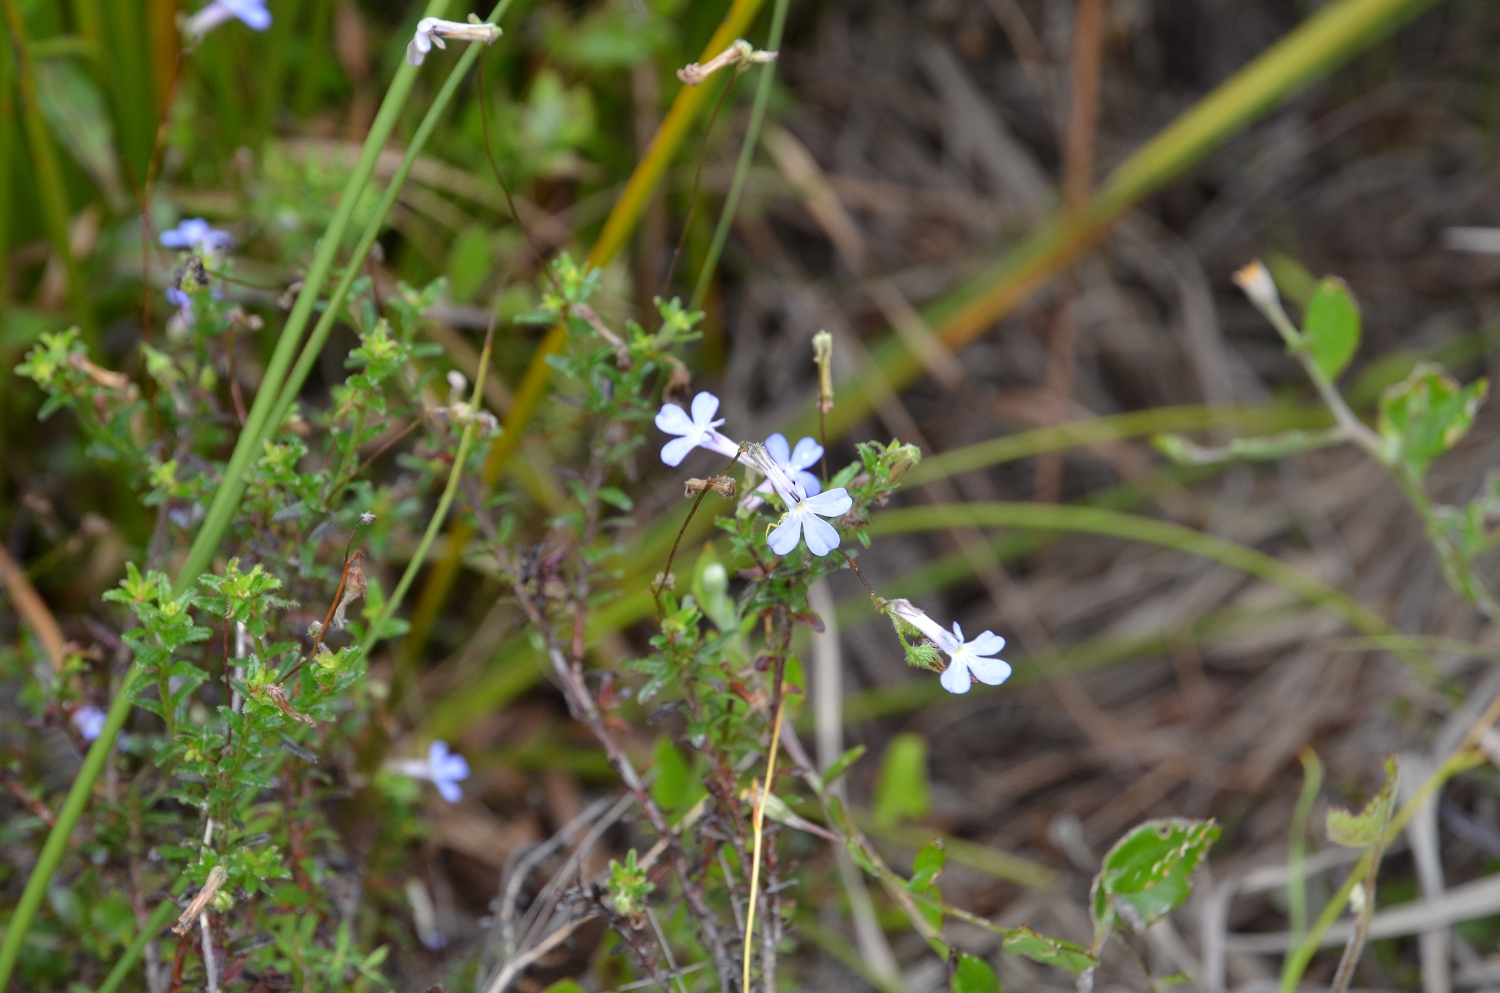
<point>821,536</point>
<point>834,503</point>
<point>450,791</point>
<point>674,451</point>
<point>779,449</point>
<point>786,535</point>
<point>955,678</point>
<point>414,53</point>
<point>809,483</point>
<point>437,754</point>
<point>716,442</point>
<point>991,672</point>
<point>958,633</point>
<point>674,420</point>
<point>988,643</point>
<point>807,453</point>
<point>705,405</point>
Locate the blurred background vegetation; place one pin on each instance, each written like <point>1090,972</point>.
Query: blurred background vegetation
<point>921,187</point>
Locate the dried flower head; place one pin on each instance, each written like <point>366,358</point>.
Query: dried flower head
<point>432,30</point>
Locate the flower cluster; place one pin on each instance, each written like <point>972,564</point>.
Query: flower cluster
<point>966,659</point>
<point>784,467</point>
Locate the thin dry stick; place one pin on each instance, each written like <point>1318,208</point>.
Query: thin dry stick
<point>1078,168</point>
<point>759,823</point>
<point>489,153</point>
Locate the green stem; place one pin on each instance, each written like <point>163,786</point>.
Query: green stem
<point>1296,887</point>
<point>49,179</point>
<point>164,912</point>
<point>225,504</point>
<point>747,153</point>
<point>377,625</point>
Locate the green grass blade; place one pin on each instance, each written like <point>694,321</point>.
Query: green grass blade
<point>164,912</point>
<point>1097,430</point>
<point>258,425</point>
<point>1131,527</point>
<point>747,154</point>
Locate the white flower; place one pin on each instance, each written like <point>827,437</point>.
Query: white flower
<point>367,518</point>
<point>432,30</point>
<point>804,514</point>
<point>89,720</point>
<point>967,657</point>
<point>698,430</point>
<point>252,12</point>
<point>794,461</point>
<point>195,232</point>
<point>442,768</point>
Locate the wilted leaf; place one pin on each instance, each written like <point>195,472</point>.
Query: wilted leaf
<point>1146,873</point>
<point>1366,828</point>
<point>974,975</point>
<point>1048,950</point>
<point>1331,327</point>
<point>1426,414</point>
<point>901,791</point>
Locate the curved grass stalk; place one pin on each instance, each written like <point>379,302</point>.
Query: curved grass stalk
<point>1075,434</point>
<point>1324,41</point>
<point>1111,523</point>
<point>163,913</point>
<point>221,511</point>
<point>758,827</point>
<point>377,624</point>
<point>315,341</point>
<point>622,219</point>
<point>747,154</point>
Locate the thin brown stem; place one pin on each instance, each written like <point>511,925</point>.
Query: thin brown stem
<point>661,581</point>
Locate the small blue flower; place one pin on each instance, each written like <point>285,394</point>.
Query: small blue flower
<point>804,514</point>
<point>184,305</point>
<point>195,232</point>
<point>252,12</point>
<point>699,430</point>
<point>795,462</point>
<point>89,720</point>
<point>968,658</point>
<point>442,768</point>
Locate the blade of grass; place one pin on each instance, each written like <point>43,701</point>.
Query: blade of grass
<point>221,511</point>
<point>747,154</point>
<point>1097,430</point>
<point>1324,41</point>
<point>164,912</point>
<point>1296,888</point>
<point>1131,527</point>
<point>46,170</point>
<point>621,221</point>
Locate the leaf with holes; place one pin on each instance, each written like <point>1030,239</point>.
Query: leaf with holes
<point>1048,950</point>
<point>1426,414</point>
<point>1146,873</point>
<point>1366,828</point>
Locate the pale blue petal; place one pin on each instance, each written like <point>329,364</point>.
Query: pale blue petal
<point>834,503</point>
<point>955,678</point>
<point>674,420</point>
<point>809,483</point>
<point>958,633</point>
<point>674,451</point>
<point>991,672</point>
<point>786,535</point>
<point>988,643</point>
<point>705,405</point>
<point>807,453</point>
<point>450,791</point>
<point>821,536</point>
<point>778,449</point>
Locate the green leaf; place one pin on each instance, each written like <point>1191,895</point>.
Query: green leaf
<point>1146,873</point>
<point>901,790</point>
<point>564,986</point>
<point>1426,414</point>
<point>672,789</point>
<point>469,262</point>
<point>974,975</point>
<point>1048,950</point>
<point>1331,327</point>
<point>842,764</point>
<point>1366,828</point>
<point>927,866</point>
